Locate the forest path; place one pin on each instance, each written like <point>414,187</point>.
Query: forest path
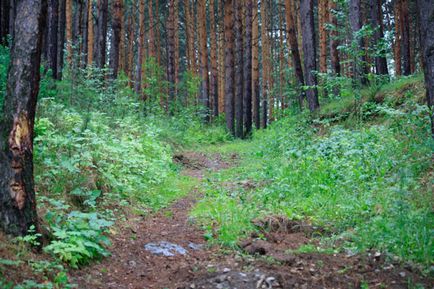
<point>265,263</point>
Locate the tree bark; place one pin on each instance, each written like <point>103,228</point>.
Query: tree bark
<point>293,46</point>
<point>61,37</point>
<point>90,35</point>
<point>255,68</point>
<point>101,37</point>
<point>171,51</point>
<point>334,43</point>
<point>116,37</point>
<point>322,21</point>
<point>397,11</point>
<point>53,8</point>
<point>426,19</point>
<point>213,83</point>
<point>238,69</point>
<point>203,58</point>
<point>265,61</point>
<point>229,65</point>
<point>356,24</point>
<point>377,24</point>
<point>69,30</point>
<point>309,51</point>
<point>132,24</point>
<point>248,69</point>
<point>405,31</point>
<point>17,194</point>
<point>140,57</point>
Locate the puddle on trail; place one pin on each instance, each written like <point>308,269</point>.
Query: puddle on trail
<point>168,249</point>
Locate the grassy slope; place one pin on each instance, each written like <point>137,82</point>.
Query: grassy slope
<point>365,177</point>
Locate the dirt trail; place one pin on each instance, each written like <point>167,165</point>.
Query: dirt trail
<point>131,266</point>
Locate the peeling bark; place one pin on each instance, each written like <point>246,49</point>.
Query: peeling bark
<point>17,195</point>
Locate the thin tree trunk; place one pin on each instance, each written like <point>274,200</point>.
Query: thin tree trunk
<point>255,67</point>
<point>101,38</point>
<point>405,26</point>
<point>265,60</point>
<point>213,83</point>
<point>53,8</point>
<point>203,53</point>
<point>322,21</point>
<point>238,69</point>
<point>377,24</point>
<point>17,193</point>
<point>61,37</point>
<point>69,30</point>
<point>248,69</point>
<point>356,24</point>
<point>151,29</point>
<point>309,51</point>
<point>334,43</point>
<point>138,85</point>
<point>221,59</point>
<point>132,24</point>
<point>294,51</point>
<point>171,51</point>
<point>176,35</point>
<point>398,36</point>
<point>123,43</point>
<point>90,35</point>
<point>426,19</point>
<point>229,65</point>
<point>116,37</point>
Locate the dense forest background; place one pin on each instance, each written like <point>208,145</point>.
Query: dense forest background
<point>317,113</point>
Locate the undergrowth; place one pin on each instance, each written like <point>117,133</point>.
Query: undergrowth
<point>367,180</point>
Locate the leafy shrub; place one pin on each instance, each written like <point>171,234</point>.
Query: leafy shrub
<point>78,237</point>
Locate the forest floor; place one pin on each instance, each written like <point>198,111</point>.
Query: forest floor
<point>266,261</point>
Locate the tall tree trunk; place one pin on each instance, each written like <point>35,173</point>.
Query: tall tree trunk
<point>176,35</point>
<point>69,30</point>
<point>140,57</point>
<point>309,51</point>
<point>405,31</point>
<point>255,67</point>
<point>151,29</point>
<point>238,68</point>
<point>221,59</point>
<point>132,24</point>
<point>171,52</point>
<point>53,8</point>
<point>90,35</point>
<point>265,60</point>
<point>189,35</point>
<point>293,46</point>
<point>322,21</point>
<point>203,53</point>
<point>248,69</point>
<point>334,43</point>
<point>426,19</point>
<point>157,34</point>
<point>123,43</point>
<point>229,65</point>
<point>397,11</point>
<point>116,37</point>
<point>61,37</point>
<point>101,37</point>
<point>213,83</point>
<point>377,24</point>
<point>356,24</point>
<point>17,194</point>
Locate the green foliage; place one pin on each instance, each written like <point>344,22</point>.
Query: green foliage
<point>362,183</point>
<point>78,237</point>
